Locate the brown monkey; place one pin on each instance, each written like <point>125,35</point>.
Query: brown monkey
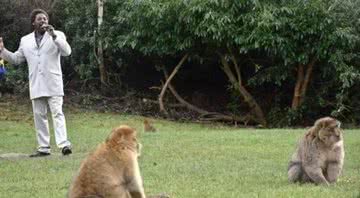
<point>112,170</point>
<point>148,127</point>
<point>319,157</point>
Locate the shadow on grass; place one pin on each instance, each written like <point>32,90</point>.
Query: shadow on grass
<point>19,156</point>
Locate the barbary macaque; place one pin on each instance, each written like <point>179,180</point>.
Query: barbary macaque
<point>319,157</point>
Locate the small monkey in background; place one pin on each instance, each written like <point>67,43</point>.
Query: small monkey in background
<point>148,127</point>
<point>319,157</point>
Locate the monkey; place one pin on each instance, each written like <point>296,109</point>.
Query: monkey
<point>112,170</point>
<point>148,127</point>
<point>319,156</point>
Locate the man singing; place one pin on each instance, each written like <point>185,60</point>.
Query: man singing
<point>42,50</point>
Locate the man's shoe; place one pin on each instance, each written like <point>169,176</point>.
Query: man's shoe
<point>39,154</point>
<point>66,150</point>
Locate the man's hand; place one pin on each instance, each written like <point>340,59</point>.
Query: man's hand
<point>1,45</point>
<point>50,30</point>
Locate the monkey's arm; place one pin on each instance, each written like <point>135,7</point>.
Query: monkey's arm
<point>316,175</point>
<point>335,164</point>
<point>161,195</point>
<point>136,188</point>
<point>312,166</point>
<point>313,160</point>
<point>333,171</point>
<point>135,185</point>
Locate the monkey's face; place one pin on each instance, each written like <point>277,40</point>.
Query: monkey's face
<point>330,133</point>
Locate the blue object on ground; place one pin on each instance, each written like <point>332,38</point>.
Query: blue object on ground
<point>2,71</point>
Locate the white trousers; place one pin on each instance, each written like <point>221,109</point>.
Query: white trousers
<point>40,107</point>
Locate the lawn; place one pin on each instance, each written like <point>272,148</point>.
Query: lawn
<point>185,160</point>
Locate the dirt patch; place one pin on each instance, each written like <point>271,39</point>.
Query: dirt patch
<point>19,156</point>
<point>13,156</point>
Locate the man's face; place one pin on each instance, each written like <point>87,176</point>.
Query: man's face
<point>40,19</point>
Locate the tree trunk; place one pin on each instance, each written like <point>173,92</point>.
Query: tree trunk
<point>297,91</point>
<point>302,82</point>
<point>161,96</point>
<point>236,81</point>
<point>100,52</point>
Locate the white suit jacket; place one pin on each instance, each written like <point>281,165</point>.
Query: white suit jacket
<point>45,75</point>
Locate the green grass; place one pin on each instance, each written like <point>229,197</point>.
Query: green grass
<point>182,159</point>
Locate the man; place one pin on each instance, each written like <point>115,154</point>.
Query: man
<point>42,49</point>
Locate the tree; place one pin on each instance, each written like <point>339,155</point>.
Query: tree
<point>100,53</point>
<point>171,28</point>
<point>80,23</point>
<point>304,34</point>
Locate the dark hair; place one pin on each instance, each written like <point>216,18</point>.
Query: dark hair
<point>36,12</point>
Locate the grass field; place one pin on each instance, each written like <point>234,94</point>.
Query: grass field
<point>182,159</point>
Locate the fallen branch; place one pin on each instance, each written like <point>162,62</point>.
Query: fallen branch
<point>185,103</point>
<point>206,115</point>
<point>222,117</point>
<point>146,100</point>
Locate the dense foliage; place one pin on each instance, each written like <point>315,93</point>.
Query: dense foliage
<point>282,62</point>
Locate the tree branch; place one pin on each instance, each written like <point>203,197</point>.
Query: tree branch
<point>161,96</point>
<point>206,115</point>
<point>308,73</point>
<point>237,68</point>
